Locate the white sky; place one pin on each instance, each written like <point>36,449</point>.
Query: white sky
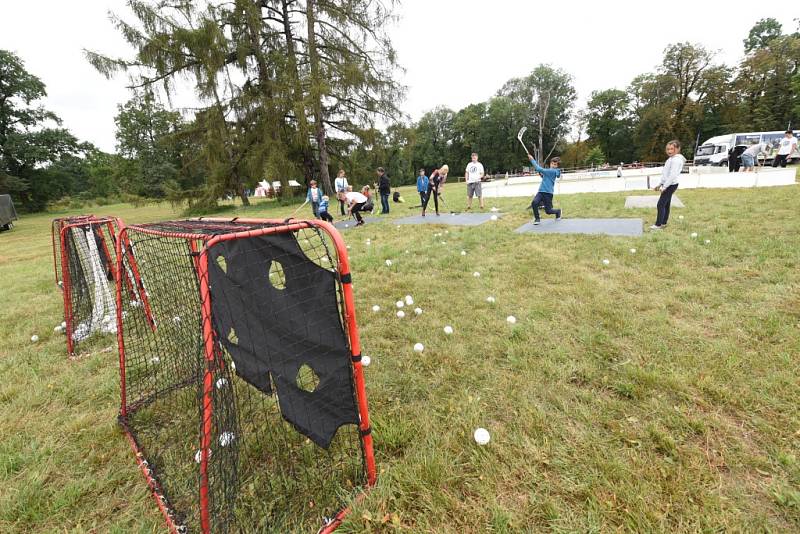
<point>455,52</point>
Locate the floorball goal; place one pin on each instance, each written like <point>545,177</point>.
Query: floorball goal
<point>242,389</point>
<point>84,256</point>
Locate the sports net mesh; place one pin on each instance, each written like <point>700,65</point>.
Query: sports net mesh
<point>55,233</point>
<point>87,276</point>
<point>274,381</point>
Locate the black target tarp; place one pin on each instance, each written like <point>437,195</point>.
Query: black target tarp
<point>274,325</point>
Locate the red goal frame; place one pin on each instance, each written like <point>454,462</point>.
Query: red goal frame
<point>199,245</point>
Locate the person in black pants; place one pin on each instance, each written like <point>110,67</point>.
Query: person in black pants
<point>385,189</point>
<point>786,146</point>
<point>435,184</point>
<point>669,182</point>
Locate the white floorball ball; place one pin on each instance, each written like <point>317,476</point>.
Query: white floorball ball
<point>680,217</point>
<point>407,252</point>
<point>221,383</point>
<point>476,274</point>
<point>493,217</point>
<point>708,241</point>
<point>57,329</point>
<point>226,438</point>
<point>365,361</point>
<point>490,299</point>
<point>388,263</point>
<point>633,251</point>
<point>376,308</point>
<point>409,300</point>
<point>401,314</point>
<point>399,303</point>
<point>418,311</point>
<point>482,436</point>
<point>694,235</point>
<point>448,330</point>
<point>419,347</point>
<point>34,338</point>
<point>463,252</point>
<point>511,319</point>
<point>606,262</point>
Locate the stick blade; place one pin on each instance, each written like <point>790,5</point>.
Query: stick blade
<point>522,132</point>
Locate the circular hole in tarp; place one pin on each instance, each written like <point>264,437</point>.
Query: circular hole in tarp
<point>276,275</point>
<point>307,379</point>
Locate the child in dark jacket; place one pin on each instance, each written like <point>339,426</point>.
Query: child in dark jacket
<point>385,189</point>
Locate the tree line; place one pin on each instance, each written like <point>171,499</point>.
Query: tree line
<point>291,89</point>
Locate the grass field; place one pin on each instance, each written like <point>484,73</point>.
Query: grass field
<point>656,394</point>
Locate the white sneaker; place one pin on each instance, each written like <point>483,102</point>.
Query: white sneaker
<point>536,222</point>
<point>655,227</point>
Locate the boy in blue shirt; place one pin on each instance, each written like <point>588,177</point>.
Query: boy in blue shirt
<point>545,195</point>
<point>323,209</point>
<point>422,186</point>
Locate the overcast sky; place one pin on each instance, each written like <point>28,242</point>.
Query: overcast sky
<point>455,52</point>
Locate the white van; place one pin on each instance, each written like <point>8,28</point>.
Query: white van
<point>714,151</point>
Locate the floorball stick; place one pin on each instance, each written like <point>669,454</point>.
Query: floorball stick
<point>519,137</point>
<point>298,209</point>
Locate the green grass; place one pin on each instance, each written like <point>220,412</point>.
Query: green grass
<point>658,394</point>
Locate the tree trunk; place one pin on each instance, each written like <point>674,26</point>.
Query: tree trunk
<point>324,177</point>
<point>298,96</point>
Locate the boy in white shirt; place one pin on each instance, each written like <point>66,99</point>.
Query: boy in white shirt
<point>473,176</point>
<point>787,146</point>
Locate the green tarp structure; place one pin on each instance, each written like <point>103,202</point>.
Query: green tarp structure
<point>7,212</point>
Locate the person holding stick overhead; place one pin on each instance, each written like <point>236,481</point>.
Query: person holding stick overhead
<point>435,184</point>
<point>546,189</point>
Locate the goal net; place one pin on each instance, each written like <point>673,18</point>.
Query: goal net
<point>242,389</point>
<point>87,274</point>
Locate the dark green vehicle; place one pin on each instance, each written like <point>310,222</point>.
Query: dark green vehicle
<point>7,213</point>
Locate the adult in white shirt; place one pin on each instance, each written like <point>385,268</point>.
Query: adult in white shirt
<point>750,156</point>
<point>340,186</point>
<point>473,176</point>
<point>669,182</point>
<point>787,146</point>
<point>355,203</point>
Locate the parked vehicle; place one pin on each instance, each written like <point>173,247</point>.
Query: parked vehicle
<point>7,213</point>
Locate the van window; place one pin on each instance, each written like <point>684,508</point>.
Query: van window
<point>748,140</point>
<point>705,150</point>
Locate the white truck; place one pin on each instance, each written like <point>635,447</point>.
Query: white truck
<point>715,150</point>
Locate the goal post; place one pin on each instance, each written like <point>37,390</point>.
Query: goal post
<point>242,390</point>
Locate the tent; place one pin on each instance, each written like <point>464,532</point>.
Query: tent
<point>7,212</point>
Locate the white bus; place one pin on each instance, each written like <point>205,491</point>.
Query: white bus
<point>715,150</point>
